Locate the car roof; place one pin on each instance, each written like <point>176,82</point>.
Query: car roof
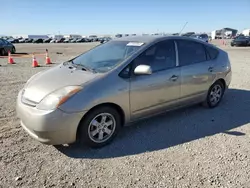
<point>148,38</point>
<point>157,38</point>
<point>152,38</point>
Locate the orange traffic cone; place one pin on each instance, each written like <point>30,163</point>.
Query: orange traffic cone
<point>48,61</point>
<point>10,59</point>
<point>34,62</point>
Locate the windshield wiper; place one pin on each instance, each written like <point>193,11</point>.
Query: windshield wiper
<point>83,67</point>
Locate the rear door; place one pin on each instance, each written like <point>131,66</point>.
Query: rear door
<point>3,45</point>
<point>7,45</point>
<point>153,93</point>
<point>196,70</point>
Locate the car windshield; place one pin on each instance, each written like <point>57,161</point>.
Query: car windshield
<point>106,56</point>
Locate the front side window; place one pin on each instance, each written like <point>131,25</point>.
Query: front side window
<point>160,56</point>
<point>190,52</point>
<point>108,55</point>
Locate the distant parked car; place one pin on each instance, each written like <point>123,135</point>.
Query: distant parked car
<point>92,96</point>
<point>203,37</point>
<point>29,40</point>
<point>60,40</point>
<point>74,40</point>
<point>118,35</point>
<point>38,41</point>
<point>188,34</point>
<point>13,40</point>
<point>105,39</point>
<point>93,38</point>
<point>241,41</point>
<point>6,46</point>
<point>67,40</point>
<point>47,40</point>
<point>81,40</point>
<point>22,40</point>
<point>53,41</point>
<point>89,40</point>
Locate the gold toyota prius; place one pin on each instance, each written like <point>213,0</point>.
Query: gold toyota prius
<point>89,98</point>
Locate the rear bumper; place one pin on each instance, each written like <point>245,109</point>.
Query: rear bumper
<point>228,79</point>
<point>49,127</point>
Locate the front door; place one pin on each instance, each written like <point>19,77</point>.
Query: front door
<point>150,94</point>
<point>196,71</point>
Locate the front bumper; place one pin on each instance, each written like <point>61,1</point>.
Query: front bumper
<point>49,127</point>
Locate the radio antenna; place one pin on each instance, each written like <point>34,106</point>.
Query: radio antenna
<point>183,28</point>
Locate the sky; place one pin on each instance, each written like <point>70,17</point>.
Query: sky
<point>127,16</point>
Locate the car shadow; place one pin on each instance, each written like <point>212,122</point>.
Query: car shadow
<point>15,54</point>
<point>173,128</point>
<point>19,53</point>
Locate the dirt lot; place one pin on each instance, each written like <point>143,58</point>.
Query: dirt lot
<point>193,147</point>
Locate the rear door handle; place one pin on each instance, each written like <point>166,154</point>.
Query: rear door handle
<point>174,78</point>
<point>210,69</point>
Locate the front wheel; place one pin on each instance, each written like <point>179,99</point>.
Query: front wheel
<point>215,95</point>
<point>99,127</point>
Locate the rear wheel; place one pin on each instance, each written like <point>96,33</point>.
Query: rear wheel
<point>99,127</point>
<point>2,52</point>
<point>215,95</point>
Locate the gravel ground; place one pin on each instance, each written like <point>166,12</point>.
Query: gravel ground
<point>192,147</point>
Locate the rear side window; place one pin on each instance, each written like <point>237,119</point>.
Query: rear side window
<point>211,52</point>
<point>190,52</point>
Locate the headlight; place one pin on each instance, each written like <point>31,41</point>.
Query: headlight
<point>57,98</point>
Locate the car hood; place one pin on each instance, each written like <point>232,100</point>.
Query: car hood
<point>55,78</point>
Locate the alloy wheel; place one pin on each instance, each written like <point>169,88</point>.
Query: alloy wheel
<point>102,127</point>
<point>215,94</point>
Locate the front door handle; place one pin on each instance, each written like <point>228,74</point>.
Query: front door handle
<point>174,78</point>
<point>210,69</point>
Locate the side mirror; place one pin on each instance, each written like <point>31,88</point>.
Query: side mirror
<point>143,70</point>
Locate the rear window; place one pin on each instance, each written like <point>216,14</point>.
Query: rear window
<point>212,52</point>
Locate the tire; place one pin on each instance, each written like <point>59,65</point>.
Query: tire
<point>87,127</point>
<point>2,52</point>
<point>212,100</point>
